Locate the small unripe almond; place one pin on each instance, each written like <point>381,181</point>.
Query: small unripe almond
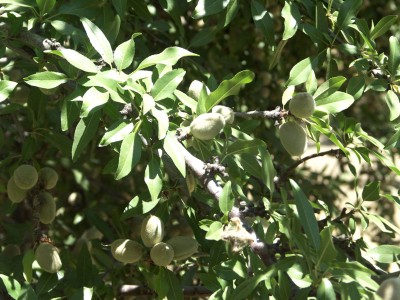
<point>226,112</point>
<point>126,251</point>
<point>184,246</point>
<point>49,177</point>
<point>190,182</point>
<point>25,177</point>
<point>48,258</point>
<point>390,289</point>
<point>195,88</point>
<point>207,126</point>
<point>302,105</point>
<point>162,254</point>
<point>15,194</point>
<point>47,208</point>
<point>152,230</point>
<point>293,138</point>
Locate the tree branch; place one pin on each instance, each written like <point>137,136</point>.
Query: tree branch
<point>277,113</point>
<point>188,291</point>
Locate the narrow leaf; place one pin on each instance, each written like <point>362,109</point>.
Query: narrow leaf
<point>45,6</point>
<point>226,199</point>
<point>383,26</point>
<point>209,7</point>
<point>327,253</point>
<point>228,87</point>
<point>84,267</point>
<point>292,16</point>
<point>329,87</point>
<point>385,253</point>
<point>6,87</point>
<point>347,12</point>
<point>301,71</point>
<point>175,150</point>
<point>84,133</point>
<point>393,102</point>
<point>371,191</point>
<point>47,79</point>
<point>116,132</point>
<point>325,290</point>
<point>92,100</point>
<point>165,86</point>
<point>129,155</point>
<point>263,21</point>
<point>168,57</point>
<point>335,102</point>
<point>244,146</point>
<point>124,53</point>
<point>78,60</point>
<point>162,121</point>
<point>153,177</point>
<point>394,55</point>
<point>98,40</point>
<point>306,214</point>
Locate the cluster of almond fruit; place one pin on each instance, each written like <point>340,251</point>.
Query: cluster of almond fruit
<point>161,253</point>
<point>292,135</point>
<point>26,180</point>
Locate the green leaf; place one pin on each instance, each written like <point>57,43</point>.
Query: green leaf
<point>209,7</point>
<point>175,150</point>
<point>228,87</point>
<point>226,199</point>
<point>268,169</point>
<point>186,100</point>
<point>347,12</point>
<point>335,102</point>
<point>356,86</point>
<point>165,86</point>
<point>162,121</point>
<point>393,140</point>
<point>371,191</point>
<point>329,87</point>
<point>394,56</point>
<point>385,254</point>
<point>120,7</point>
<point>263,21</point>
<point>168,57</point>
<point>327,253</point>
<point>93,100</point>
<point>301,71</point>
<point>85,131</point>
<point>46,282</point>
<point>124,53</point>
<point>292,16</point>
<point>306,215</point>
<point>248,286</point>
<point>383,26</point>
<point>325,290</point>
<point>215,231</point>
<point>203,37</point>
<point>70,110</point>
<point>175,290</point>
<point>108,80</point>
<point>153,177</point>
<point>6,87</point>
<point>27,261</point>
<point>98,40</point>
<point>116,132</point>
<point>47,79</point>
<point>78,60</point>
<point>84,267</point>
<point>129,155</point>
<point>393,102</point>
<point>386,160</point>
<point>45,6</point>
<point>12,286</point>
<point>244,146</point>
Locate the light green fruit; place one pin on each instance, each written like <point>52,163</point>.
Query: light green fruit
<point>25,177</point>
<point>190,182</point>
<point>302,105</point>
<point>152,230</point>
<point>195,88</point>
<point>47,208</point>
<point>184,246</point>
<point>390,289</point>
<point>126,251</point>
<point>207,126</point>
<point>15,194</point>
<point>11,250</point>
<point>48,258</point>
<point>293,138</point>
<point>162,254</point>
<point>226,112</point>
<point>49,177</point>
<point>20,94</point>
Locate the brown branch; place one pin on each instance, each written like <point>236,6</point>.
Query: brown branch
<point>277,113</point>
<point>279,179</point>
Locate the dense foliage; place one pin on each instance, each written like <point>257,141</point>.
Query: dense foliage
<point>105,169</point>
